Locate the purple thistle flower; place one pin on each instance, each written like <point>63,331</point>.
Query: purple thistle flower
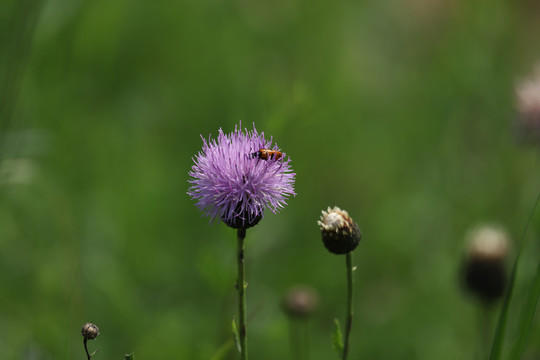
<point>232,182</point>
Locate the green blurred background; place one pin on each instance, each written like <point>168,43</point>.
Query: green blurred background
<point>400,112</point>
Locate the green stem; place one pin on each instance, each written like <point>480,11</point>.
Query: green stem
<point>349,304</point>
<point>484,327</point>
<point>527,317</point>
<point>241,286</point>
<point>298,337</point>
<point>86,349</point>
<point>294,340</point>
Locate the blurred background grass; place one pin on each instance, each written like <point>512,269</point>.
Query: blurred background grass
<point>398,111</point>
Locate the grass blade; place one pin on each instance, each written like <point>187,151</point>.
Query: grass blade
<point>497,347</point>
<point>223,350</point>
<point>527,317</point>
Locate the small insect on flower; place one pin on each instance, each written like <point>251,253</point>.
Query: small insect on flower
<point>267,154</point>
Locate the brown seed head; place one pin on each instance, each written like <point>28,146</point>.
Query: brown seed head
<point>340,233</point>
<point>89,331</point>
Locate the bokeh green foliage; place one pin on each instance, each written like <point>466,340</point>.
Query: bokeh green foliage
<point>400,112</point>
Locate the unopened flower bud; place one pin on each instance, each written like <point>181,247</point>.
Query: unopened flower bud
<point>485,269</point>
<point>340,233</point>
<point>300,301</point>
<point>90,331</point>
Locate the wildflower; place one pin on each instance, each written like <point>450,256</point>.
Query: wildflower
<point>340,233</point>
<point>232,183</point>
<point>484,269</point>
<point>235,179</point>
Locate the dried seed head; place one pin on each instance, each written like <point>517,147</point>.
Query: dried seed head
<point>90,331</point>
<point>300,301</point>
<point>528,107</point>
<point>485,269</point>
<point>489,243</point>
<point>340,233</point>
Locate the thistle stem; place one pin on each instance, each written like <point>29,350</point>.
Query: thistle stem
<point>241,286</point>
<point>86,349</point>
<point>349,304</point>
<point>485,329</point>
<point>298,337</point>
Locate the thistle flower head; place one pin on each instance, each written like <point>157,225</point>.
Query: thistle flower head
<point>233,180</point>
<point>484,268</point>
<point>340,233</point>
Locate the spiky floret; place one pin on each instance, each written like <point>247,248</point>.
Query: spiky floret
<point>230,184</point>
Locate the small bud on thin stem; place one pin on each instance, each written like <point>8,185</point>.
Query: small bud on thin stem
<point>89,331</point>
<point>299,303</point>
<point>341,235</point>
